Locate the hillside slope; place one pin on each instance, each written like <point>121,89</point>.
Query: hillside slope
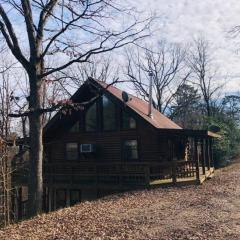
<point>209,211</point>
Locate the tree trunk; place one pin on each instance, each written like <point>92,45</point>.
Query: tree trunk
<point>208,109</point>
<point>36,147</point>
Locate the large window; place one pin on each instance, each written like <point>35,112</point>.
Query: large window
<point>109,114</point>
<point>130,149</point>
<point>128,122</point>
<point>91,118</point>
<point>72,151</point>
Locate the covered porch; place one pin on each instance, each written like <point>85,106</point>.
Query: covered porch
<point>190,158</point>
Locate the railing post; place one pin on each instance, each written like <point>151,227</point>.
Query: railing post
<point>208,154</point>
<point>196,156</point>
<point>211,152</point>
<point>147,175</point>
<point>203,158</point>
<point>174,171</point>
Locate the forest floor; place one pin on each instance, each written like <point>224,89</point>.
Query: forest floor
<point>209,211</point>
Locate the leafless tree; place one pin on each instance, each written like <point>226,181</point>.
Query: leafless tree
<point>67,29</point>
<point>6,93</point>
<point>166,64</point>
<point>102,68</point>
<point>204,72</point>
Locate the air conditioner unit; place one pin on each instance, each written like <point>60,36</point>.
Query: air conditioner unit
<point>87,148</point>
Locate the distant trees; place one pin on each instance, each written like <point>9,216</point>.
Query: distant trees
<point>166,63</point>
<point>231,106</point>
<point>186,107</point>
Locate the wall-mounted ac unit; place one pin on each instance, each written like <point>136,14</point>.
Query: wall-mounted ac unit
<point>87,148</point>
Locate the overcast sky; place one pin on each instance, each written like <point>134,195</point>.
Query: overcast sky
<point>182,20</point>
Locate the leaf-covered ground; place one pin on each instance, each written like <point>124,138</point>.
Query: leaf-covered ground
<point>209,211</point>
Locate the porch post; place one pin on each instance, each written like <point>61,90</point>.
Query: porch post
<point>196,158</point>
<point>203,157</point>
<point>211,153</point>
<point>208,154</point>
<point>173,162</point>
<point>174,171</point>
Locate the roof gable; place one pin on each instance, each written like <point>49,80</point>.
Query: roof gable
<point>158,120</point>
<point>139,106</point>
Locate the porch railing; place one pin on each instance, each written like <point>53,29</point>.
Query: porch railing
<point>119,173</point>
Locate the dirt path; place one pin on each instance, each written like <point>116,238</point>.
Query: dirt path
<point>209,211</point>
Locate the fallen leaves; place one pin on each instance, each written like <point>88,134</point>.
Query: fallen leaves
<point>209,211</point>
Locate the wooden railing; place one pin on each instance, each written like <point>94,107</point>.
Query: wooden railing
<point>118,173</point>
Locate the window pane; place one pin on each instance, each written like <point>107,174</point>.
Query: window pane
<point>72,151</point>
<point>75,127</point>
<point>130,149</point>
<point>109,115</point>
<point>91,118</point>
<point>128,121</point>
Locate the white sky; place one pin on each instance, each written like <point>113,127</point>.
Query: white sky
<point>183,20</point>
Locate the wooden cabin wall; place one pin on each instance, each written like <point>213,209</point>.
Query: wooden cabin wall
<point>151,147</point>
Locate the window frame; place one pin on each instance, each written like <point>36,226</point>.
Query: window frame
<point>97,117</point>
<point>102,114</point>
<point>78,152</point>
<point>123,150</point>
<point>130,116</point>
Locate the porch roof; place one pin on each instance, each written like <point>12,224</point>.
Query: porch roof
<point>189,133</point>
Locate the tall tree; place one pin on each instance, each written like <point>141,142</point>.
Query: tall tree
<point>185,109</point>
<point>67,29</point>
<point>203,71</point>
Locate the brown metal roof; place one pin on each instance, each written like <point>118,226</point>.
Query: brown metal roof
<point>140,106</point>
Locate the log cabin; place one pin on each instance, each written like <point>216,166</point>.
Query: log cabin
<point>117,142</point>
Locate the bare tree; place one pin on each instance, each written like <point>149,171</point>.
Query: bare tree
<point>102,68</point>
<point>166,64</point>
<point>204,73</point>
<point>71,30</point>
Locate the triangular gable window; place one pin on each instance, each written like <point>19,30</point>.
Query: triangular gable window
<point>91,118</point>
<point>109,114</point>
<point>128,122</point>
<point>75,127</point>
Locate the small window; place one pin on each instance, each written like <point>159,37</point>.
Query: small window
<point>91,118</point>
<point>109,114</point>
<point>75,127</point>
<point>61,198</point>
<point>130,150</point>
<point>72,151</point>
<point>75,197</point>
<point>128,122</point>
